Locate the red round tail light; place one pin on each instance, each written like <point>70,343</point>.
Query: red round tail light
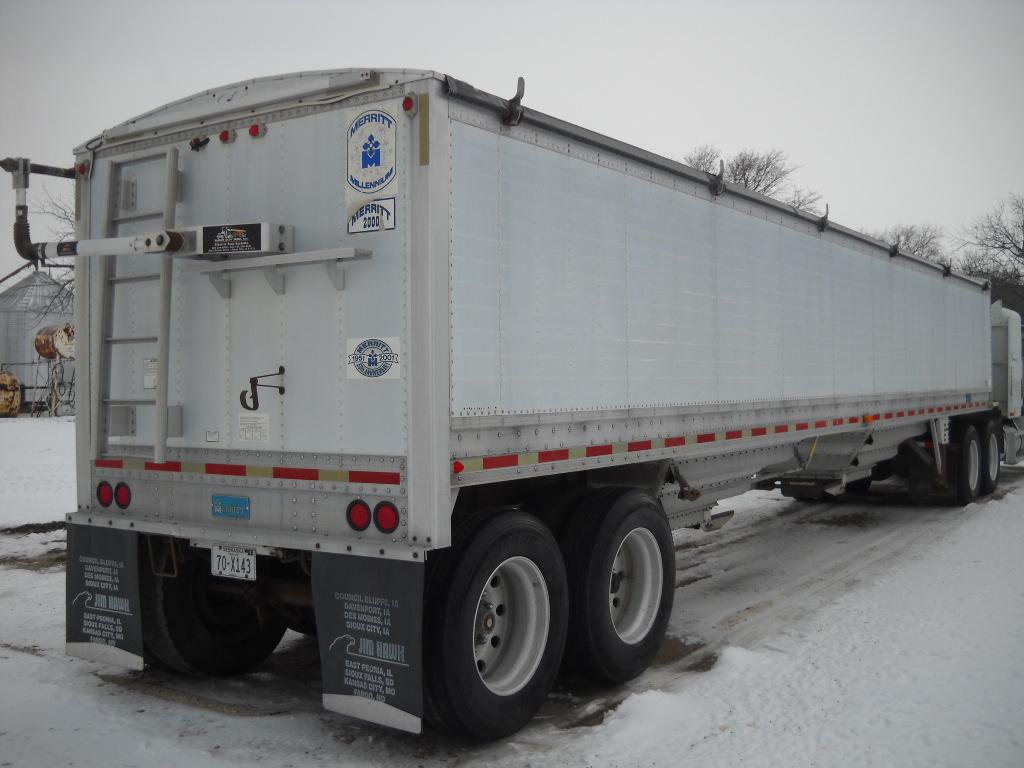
<point>385,517</point>
<point>122,495</point>
<point>104,494</point>
<point>408,103</point>
<point>358,515</point>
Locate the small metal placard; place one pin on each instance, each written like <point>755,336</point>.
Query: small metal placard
<point>233,238</point>
<point>232,507</point>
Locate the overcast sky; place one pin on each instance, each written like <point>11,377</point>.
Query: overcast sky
<point>895,111</point>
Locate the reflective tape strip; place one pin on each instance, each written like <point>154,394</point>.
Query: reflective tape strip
<point>555,455</point>
<point>368,477</point>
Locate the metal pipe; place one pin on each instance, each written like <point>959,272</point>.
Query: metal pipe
<point>164,323</point>
<point>20,169</point>
<point>10,164</point>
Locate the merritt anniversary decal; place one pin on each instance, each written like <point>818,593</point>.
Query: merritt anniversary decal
<point>373,216</point>
<point>373,358</point>
<point>371,151</point>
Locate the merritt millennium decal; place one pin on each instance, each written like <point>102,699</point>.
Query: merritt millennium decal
<point>371,151</point>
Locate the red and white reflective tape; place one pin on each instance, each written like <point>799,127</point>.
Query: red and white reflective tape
<point>533,458</point>
<point>362,476</point>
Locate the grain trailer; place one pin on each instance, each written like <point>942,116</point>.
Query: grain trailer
<point>380,357</point>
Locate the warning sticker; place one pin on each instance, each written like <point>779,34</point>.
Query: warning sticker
<point>149,369</point>
<point>254,427</point>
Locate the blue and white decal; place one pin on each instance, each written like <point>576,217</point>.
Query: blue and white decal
<point>372,216</point>
<point>373,358</point>
<point>371,151</point>
<point>233,507</point>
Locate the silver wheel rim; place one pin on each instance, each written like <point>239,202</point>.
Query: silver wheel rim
<point>973,464</point>
<point>634,585</point>
<point>510,632</point>
<point>993,457</point>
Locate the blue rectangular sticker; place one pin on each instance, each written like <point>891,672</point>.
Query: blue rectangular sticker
<point>235,507</point>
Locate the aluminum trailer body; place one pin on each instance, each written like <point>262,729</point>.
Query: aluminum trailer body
<point>377,355</point>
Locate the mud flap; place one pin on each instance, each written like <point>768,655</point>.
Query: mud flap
<point>369,618</point>
<point>104,620</point>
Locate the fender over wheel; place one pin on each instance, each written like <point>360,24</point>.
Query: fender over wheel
<point>496,614</point>
<point>620,564</point>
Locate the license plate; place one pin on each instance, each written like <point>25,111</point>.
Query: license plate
<point>233,562</point>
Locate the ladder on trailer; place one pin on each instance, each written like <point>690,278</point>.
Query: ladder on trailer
<point>108,284</point>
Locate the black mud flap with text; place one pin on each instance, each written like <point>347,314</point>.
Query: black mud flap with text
<point>104,620</point>
<point>369,618</point>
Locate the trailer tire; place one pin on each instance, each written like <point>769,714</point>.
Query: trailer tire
<point>303,621</point>
<point>189,629</point>
<point>495,623</point>
<point>969,466</point>
<point>620,564</point>
<point>991,455</point>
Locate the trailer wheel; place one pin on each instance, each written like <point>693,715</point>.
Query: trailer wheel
<point>195,630</point>
<point>969,466</point>
<point>619,560</point>
<point>496,617</point>
<point>991,456</point>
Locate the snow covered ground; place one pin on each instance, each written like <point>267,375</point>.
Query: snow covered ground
<point>37,469</point>
<point>865,632</point>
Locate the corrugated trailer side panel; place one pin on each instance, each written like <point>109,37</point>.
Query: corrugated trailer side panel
<point>607,290</point>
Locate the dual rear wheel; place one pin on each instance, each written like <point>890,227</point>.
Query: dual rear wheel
<point>508,599</point>
<point>977,461</point>
<point>190,626</point>
<point>503,604</point>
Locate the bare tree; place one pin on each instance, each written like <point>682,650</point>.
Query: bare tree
<point>704,158</point>
<point>995,241</point>
<point>61,215</point>
<point>993,247</point>
<point>926,241</point>
<point>765,172</point>
<point>803,199</point>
